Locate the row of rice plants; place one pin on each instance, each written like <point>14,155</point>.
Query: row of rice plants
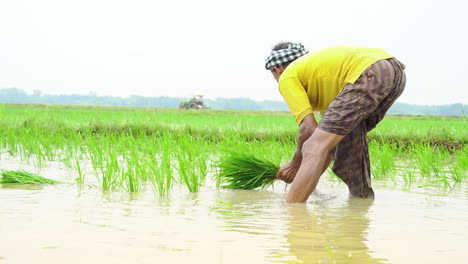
<point>418,163</point>
<point>128,160</point>
<point>204,121</point>
<point>447,132</point>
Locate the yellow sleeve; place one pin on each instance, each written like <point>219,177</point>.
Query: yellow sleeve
<point>296,97</point>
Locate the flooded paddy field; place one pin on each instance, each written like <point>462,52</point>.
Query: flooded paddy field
<point>138,187</point>
<point>66,223</point>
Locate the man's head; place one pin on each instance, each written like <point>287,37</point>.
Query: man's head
<point>282,55</point>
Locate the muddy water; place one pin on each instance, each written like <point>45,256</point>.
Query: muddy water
<point>66,224</point>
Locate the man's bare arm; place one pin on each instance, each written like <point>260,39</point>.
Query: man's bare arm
<point>315,155</point>
<point>306,129</point>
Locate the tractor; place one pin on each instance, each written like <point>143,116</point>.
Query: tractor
<point>195,102</point>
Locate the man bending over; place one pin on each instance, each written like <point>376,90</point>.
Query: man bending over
<point>352,87</point>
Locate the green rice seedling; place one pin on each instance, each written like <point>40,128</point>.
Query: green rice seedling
<point>461,161</point>
<point>425,158</point>
<point>9,142</point>
<point>165,166</point>
<point>23,177</point>
<point>80,178</point>
<point>158,164</point>
<point>455,174</point>
<point>192,165</point>
<point>132,177</point>
<point>131,180</point>
<point>445,181</point>
<point>157,179</point>
<point>67,157</point>
<point>200,157</point>
<point>431,161</point>
<point>105,161</point>
<point>383,160</point>
<point>49,145</point>
<point>39,158</point>
<point>245,171</point>
<point>408,176</point>
<point>125,151</point>
<point>187,171</point>
<point>110,171</point>
<point>76,151</point>
<point>458,169</point>
<point>95,154</point>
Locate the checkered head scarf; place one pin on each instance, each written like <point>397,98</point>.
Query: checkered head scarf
<point>281,57</point>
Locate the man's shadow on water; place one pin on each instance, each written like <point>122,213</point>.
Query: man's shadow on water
<point>324,233</point>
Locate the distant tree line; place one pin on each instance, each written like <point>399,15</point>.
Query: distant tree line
<point>14,95</point>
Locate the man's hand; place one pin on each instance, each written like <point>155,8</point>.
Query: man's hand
<point>287,172</point>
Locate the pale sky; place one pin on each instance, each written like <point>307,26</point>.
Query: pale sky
<point>218,48</point>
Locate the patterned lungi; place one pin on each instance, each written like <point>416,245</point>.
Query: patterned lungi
<point>356,111</point>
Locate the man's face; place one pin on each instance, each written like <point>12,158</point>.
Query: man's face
<point>276,71</point>
<point>275,74</point>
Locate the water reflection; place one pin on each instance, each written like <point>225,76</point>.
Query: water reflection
<point>325,234</point>
<point>28,187</point>
<point>331,229</point>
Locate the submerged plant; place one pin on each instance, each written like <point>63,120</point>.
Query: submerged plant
<point>23,177</point>
<point>245,171</point>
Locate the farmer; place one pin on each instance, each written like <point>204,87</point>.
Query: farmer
<point>352,88</point>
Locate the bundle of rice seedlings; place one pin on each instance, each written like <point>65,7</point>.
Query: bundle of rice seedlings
<point>245,171</point>
<point>23,177</point>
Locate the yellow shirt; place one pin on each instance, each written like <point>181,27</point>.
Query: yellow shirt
<point>312,81</point>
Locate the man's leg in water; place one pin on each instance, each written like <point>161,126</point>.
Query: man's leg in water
<point>351,162</point>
